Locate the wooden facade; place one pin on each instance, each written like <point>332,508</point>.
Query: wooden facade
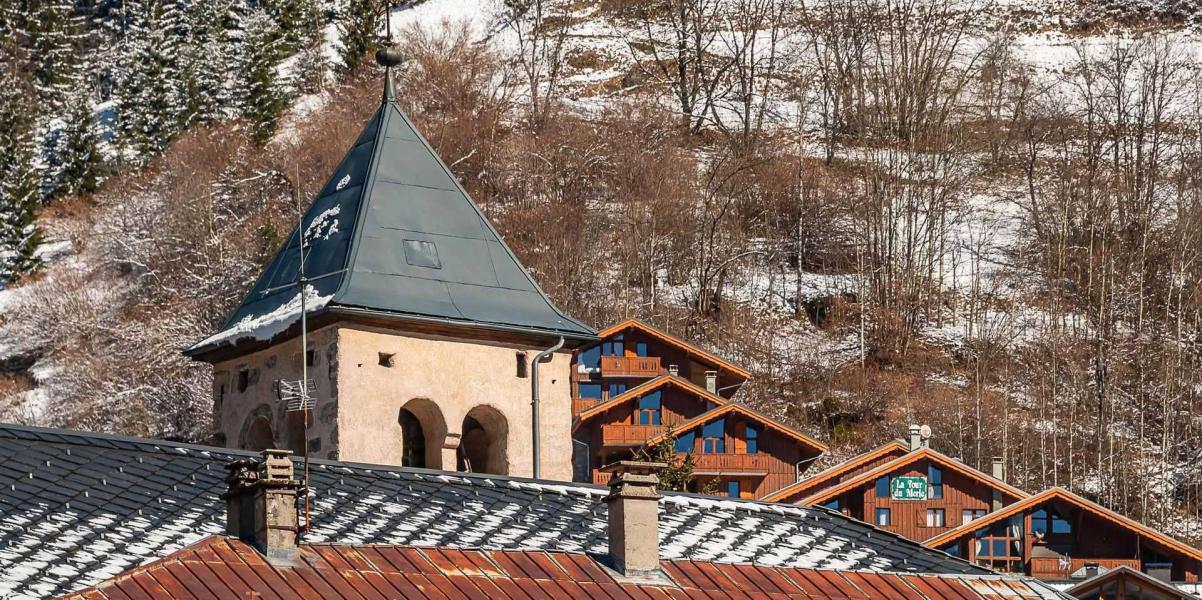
<point>955,494</point>
<point>1126,583</point>
<point>839,473</point>
<point>638,386</point>
<point>1059,536</point>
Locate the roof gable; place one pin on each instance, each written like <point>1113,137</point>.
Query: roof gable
<point>79,508</point>
<point>870,476</point>
<point>393,233</point>
<point>1059,493</point>
<point>801,487</point>
<point>647,387</point>
<point>231,568</point>
<point>740,409</point>
<point>702,355</point>
<point>1092,586</point>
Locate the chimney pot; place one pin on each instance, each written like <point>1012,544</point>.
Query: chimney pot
<point>998,471</point>
<point>711,382</point>
<point>633,506</point>
<point>261,503</point>
<point>915,438</point>
<point>674,369</point>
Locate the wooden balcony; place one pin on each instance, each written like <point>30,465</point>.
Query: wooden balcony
<point>580,405</point>
<point>629,435</point>
<point>1050,567</point>
<point>731,464</point>
<point>630,366</point>
<point>601,477</point>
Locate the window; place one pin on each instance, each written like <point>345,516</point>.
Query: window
<point>420,253</point>
<point>969,515</point>
<point>613,347</point>
<point>640,348</point>
<point>833,504</point>
<point>310,357</point>
<point>732,488</point>
<point>590,358</point>
<point>616,389</point>
<point>684,442</point>
<point>243,379</point>
<point>882,487</point>
<point>753,443</point>
<point>953,549</point>
<point>1044,521</point>
<point>590,390</point>
<point>713,436</point>
<point>934,482</point>
<point>649,409</point>
<point>935,517</point>
<point>387,359</point>
<point>884,516</point>
<point>521,358</point>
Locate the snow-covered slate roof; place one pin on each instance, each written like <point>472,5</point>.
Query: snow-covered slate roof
<point>393,234</point>
<point>78,508</point>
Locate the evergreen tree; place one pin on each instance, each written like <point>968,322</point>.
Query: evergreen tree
<point>51,29</point>
<point>312,64</point>
<point>151,103</point>
<point>264,95</point>
<point>77,153</point>
<point>359,28</point>
<point>206,60</point>
<point>20,185</point>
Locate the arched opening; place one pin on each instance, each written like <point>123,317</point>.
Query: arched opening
<point>423,431</point>
<point>413,440</point>
<point>258,435</point>
<point>482,445</point>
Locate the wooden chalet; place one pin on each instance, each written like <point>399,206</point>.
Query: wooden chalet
<point>632,352</point>
<point>1125,583</point>
<point>839,473</point>
<point>1060,536</point>
<point>945,493</point>
<point>639,385</point>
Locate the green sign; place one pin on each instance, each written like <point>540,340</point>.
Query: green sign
<point>908,488</point>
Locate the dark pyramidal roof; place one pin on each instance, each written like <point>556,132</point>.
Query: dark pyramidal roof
<point>393,234</point>
<point>78,508</point>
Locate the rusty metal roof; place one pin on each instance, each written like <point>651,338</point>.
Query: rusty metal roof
<point>221,567</point>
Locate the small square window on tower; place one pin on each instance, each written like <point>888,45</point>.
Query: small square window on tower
<point>521,357</point>
<point>387,359</point>
<point>310,357</point>
<point>243,379</point>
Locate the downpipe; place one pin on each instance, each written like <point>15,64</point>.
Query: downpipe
<point>534,403</point>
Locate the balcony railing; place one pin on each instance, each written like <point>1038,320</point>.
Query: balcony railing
<point>1051,567</point>
<point>630,366</point>
<point>629,435</point>
<point>744,464</point>
<point>580,405</point>
<point>601,477</point>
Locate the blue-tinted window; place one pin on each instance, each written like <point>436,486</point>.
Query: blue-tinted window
<point>616,388</point>
<point>1060,525</point>
<point>640,348</point>
<point>590,390</point>
<point>715,429</point>
<point>833,504</point>
<point>934,482</point>
<point>953,549</point>
<point>732,489</point>
<point>713,445</point>
<point>753,443</point>
<point>882,487</point>
<point>999,547</point>
<point>884,516</point>
<point>590,358</point>
<point>613,346</point>
<point>684,442</point>
<point>649,409</point>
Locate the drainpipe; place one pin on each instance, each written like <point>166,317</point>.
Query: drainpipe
<point>534,399</point>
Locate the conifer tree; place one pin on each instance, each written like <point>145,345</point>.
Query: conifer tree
<point>359,28</point>
<point>264,94</point>
<point>50,31</point>
<point>206,60</point>
<point>312,65</point>
<point>151,104</point>
<point>77,152</point>
<point>20,185</point>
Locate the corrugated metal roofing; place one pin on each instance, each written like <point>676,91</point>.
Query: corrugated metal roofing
<point>77,508</point>
<point>398,235</point>
<point>221,567</point>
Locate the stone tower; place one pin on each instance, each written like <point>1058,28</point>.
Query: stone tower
<point>422,326</point>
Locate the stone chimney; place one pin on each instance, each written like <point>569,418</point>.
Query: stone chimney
<point>915,438</point>
<point>260,506</point>
<point>711,382</point>
<point>998,470</point>
<point>633,506</point>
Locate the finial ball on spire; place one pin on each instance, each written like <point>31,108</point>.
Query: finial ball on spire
<point>389,55</point>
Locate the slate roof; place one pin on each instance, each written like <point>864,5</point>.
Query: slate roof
<point>393,233</point>
<point>77,508</point>
<point>221,567</point>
